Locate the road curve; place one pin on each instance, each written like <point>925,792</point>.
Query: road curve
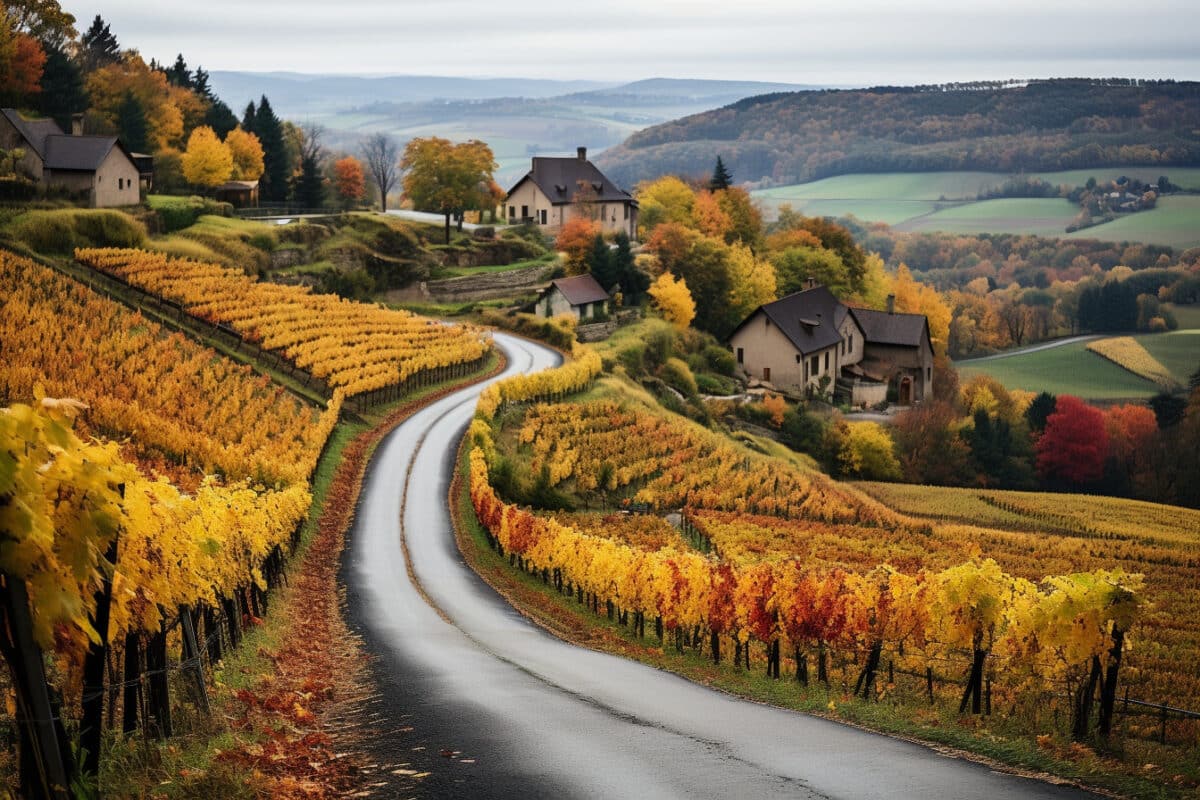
<point>524,714</point>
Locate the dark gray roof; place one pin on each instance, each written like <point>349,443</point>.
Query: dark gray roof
<point>560,179</point>
<point>81,153</point>
<point>580,289</point>
<point>809,319</point>
<point>35,131</point>
<point>880,327</point>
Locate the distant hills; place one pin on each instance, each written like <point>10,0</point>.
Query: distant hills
<point>794,136</point>
<point>519,117</point>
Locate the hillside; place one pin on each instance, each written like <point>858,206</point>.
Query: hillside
<point>517,117</point>
<point>786,138</point>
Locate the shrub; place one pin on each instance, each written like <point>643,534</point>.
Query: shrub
<point>715,385</point>
<point>720,360</point>
<point>63,230</point>
<point>675,373</point>
<point>557,332</point>
<point>633,359</point>
<point>868,453</point>
<point>177,213</point>
<point>660,346</point>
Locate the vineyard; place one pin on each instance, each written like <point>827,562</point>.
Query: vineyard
<point>1020,602</point>
<point>151,514</point>
<point>353,348</point>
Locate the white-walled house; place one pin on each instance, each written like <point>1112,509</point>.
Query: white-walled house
<point>556,190</point>
<point>811,343</point>
<point>580,296</point>
<point>97,169</point>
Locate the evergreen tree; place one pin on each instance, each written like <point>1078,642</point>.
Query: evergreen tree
<point>220,117</point>
<point>599,263</point>
<point>62,88</point>
<point>179,74</point>
<point>721,178</point>
<point>131,124</point>
<point>201,87</point>
<point>269,130</point>
<point>310,186</point>
<point>634,282</point>
<point>1039,410</point>
<point>98,46</point>
<point>1168,409</point>
<point>249,119</point>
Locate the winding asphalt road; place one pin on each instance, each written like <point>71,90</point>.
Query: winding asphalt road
<point>518,713</point>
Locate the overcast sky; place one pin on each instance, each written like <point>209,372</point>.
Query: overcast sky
<point>852,42</point>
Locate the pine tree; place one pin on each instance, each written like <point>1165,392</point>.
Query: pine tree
<point>599,263</point>
<point>310,186</point>
<point>201,87</point>
<point>249,119</point>
<point>98,46</point>
<point>179,74</point>
<point>270,133</point>
<point>633,281</point>
<point>220,118</point>
<point>62,88</point>
<point>721,178</point>
<point>131,124</point>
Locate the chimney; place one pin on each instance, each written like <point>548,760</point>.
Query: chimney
<point>77,124</point>
<point>582,153</point>
<point>891,306</point>
<point>810,283</point>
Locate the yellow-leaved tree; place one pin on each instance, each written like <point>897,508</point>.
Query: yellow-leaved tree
<point>208,161</point>
<point>247,153</point>
<point>752,279</point>
<point>673,300</point>
<point>918,298</point>
<point>667,199</point>
<point>869,453</point>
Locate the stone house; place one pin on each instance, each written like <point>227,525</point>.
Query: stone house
<point>556,190</point>
<point>810,343</point>
<point>97,169</point>
<point>579,296</point>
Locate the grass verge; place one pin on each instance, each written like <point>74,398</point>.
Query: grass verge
<point>985,740</point>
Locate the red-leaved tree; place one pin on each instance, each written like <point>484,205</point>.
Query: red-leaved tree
<point>1074,445</point>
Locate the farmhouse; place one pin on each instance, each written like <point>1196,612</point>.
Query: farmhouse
<point>811,343</point>
<point>96,169</point>
<point>579,296</point>
<point>556,190</point>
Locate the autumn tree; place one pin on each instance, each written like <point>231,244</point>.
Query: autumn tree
<point>752,279</point>
<point>776,407</point>
<point>111,85</point>
<point>447,178</point>
<point>573,240</point>
<point>1073,447</point>
<point>247,155</point>
<point>709,218</point>
<point>382,157</point>
<point>928,446</point>
<point>673,300</point>
<point>207,162</point>
<point>349,181</point>
<point>277,162</point>
<point>667,199</point>
<point>868,453</point>
<point>22,60</point>
<point>745,218</point>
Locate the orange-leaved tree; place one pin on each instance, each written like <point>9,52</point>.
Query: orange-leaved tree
<point>348,180</point>
<point>574,239</point>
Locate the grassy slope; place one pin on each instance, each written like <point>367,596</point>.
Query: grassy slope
<point>1178,351</point>
<point>945,201</point>
<point>1069,369</point>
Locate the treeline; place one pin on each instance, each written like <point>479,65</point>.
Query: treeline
<point>1044,126</point>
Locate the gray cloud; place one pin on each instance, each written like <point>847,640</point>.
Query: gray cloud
<point>854,41</point>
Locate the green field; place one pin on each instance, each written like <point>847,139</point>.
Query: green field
<point>946,201</point>
<point>1069,369</point>
<point>1188,317</point>
<point>1178,351</point>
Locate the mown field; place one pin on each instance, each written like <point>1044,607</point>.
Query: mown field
<point>946,201</point>
<point>1074,369</point>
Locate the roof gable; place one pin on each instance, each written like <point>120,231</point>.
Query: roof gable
<point>809,319</point>
<point>580,289</point>
<point>883,327</point>
<point>561,179</point>
<point>80,153</point>
<point>34,131</point>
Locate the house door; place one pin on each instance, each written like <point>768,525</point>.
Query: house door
<point>767,374</point>
<point>905,391</point>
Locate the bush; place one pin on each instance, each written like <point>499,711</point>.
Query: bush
<point>660,346</point>
<point>633,359</point>
<point>720,360</point>
<point>63,230</point>
<point>715,384</point>
<point>557,331</point>
<point>675,373</point>
<point>177,213</point>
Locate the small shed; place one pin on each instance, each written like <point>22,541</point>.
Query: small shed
<point>581,296</point>
<point>242,194</point>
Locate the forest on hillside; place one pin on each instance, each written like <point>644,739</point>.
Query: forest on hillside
<point>791,137</point>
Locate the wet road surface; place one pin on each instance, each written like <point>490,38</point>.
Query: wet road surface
<point>494,707</point>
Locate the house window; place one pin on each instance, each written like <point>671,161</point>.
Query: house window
<point>814,365</point>
<point>120,183</point>
<point>512,212</point>
<point>543,216</point>
<point>626,211</point>
<point>827,361</point>
<point>851,343</point>
<point>799,358</point>
<point>741,355</point>
<point>766,373</point>
<point>929,373</point>
<point>524,212</point>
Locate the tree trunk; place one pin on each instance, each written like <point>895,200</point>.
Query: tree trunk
<point>1108,691</point>
<point>131,677</point>
<point>1083,702</point>
<point>866,678</point>
<point>974,689</point>
<point>158,705</point>
<point>447,227</point>
<point>91,723</point>
<point>822,668</point>
<point>714,645</point>
<point>801,667</point>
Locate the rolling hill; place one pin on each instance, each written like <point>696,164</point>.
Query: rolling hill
<point>783,138</point>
